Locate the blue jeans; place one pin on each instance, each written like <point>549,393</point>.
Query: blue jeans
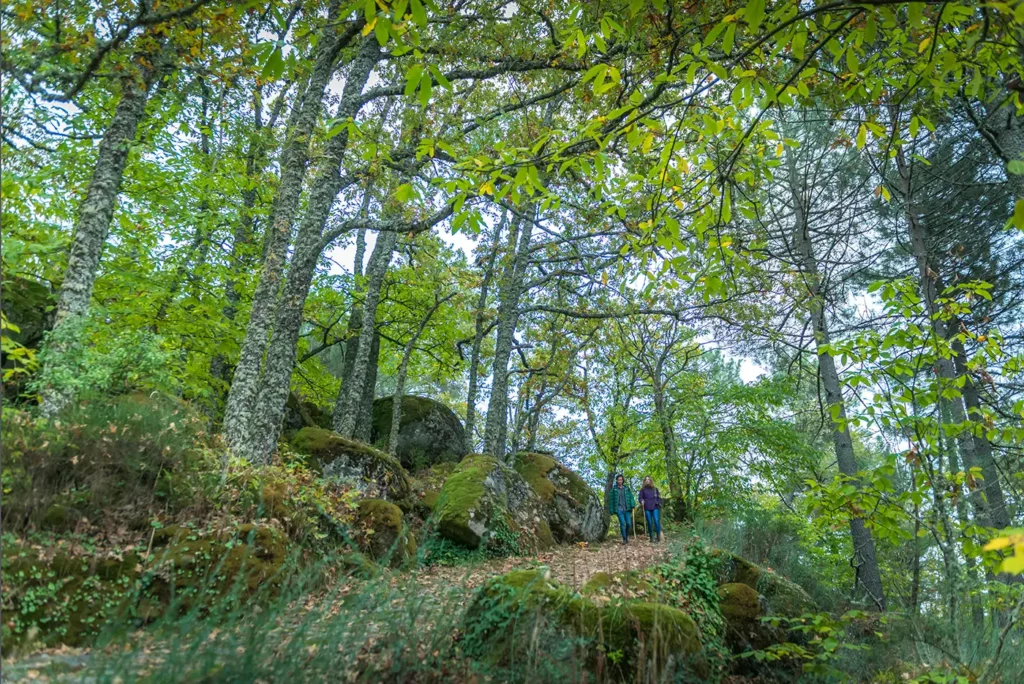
<point>653,522</point>
<point>625,522</point>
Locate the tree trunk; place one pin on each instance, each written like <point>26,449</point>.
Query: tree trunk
<point>346,408</point>
<point>988,501</point>
<point>990,487</point>
<point>364,412</point>
<point>680,509</point>
<point>865,562</point>
<point>275,381</point>
<point>97,210</point>
<point>478,336</point>
<point>509,293</point>
<point>239,414</point>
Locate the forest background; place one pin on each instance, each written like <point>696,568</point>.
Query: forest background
<point>579,225</point>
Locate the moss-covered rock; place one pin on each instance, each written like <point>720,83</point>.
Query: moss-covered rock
<point>742,607</point>
<point>485,503</point>
<point>508,609</point>
<point>189,567</point>
<point>28,305</point>
<point>779,595</point>
<point>572,509</point>
<point>733,568</point>
<point>784,597</point>
<point>429,432</point>
<point>374,473</point>
<point>381,532</point>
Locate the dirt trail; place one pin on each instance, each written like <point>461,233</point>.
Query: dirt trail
<point>570,564</point>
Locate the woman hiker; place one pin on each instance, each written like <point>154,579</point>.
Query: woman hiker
<point>651,500</point>
<point>621,504</point>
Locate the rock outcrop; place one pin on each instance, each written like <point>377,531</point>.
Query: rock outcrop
<point>429,433</point>
<point>374,473</point>
<point>485,503</point>
<point>573,510</point>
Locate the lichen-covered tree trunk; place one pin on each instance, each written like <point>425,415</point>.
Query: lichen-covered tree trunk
<point>479,317</point>
<point>364,411</point>
<point>241,404</point>
<point>346,408</point>
<point>509,293</point>
<point>275,381</point>
<point>97,209</point>
<point>868,577</point>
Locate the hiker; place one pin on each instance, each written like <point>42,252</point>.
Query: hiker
<point>621,504</point>
<point>651,500</point>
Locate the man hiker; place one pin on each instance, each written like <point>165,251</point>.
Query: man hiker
<point>621,503</point>
<point>651,500</point>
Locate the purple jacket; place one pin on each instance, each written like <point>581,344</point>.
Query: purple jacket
<point>650,498</point>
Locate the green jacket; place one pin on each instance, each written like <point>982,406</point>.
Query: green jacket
<point>613,499</point>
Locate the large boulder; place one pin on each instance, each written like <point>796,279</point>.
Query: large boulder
<point>381,532</point>
<point>371,471</point>
<point>485,503</point>
<point>429,432</point>
<point>573,510</point>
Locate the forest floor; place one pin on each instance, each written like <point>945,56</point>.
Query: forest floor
<point>452,586</point>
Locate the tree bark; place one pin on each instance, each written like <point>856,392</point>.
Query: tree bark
<point>865,562</point>
<point>242,397</point>
<point>509,294</point>
<point>346,408</point>
<point>478,336</point>
<point>97,210</point>
<point>275,381</point>
<point>364,411</point>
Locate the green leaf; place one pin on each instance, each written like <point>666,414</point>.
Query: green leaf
<point>727,41</point>
<point>1016,167</point>
<point>754,14</point>
<point>274,67</point>
<point>419,15</point>
<point>439,77</point>
<point>403,192</point>
<point>862,136</point>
